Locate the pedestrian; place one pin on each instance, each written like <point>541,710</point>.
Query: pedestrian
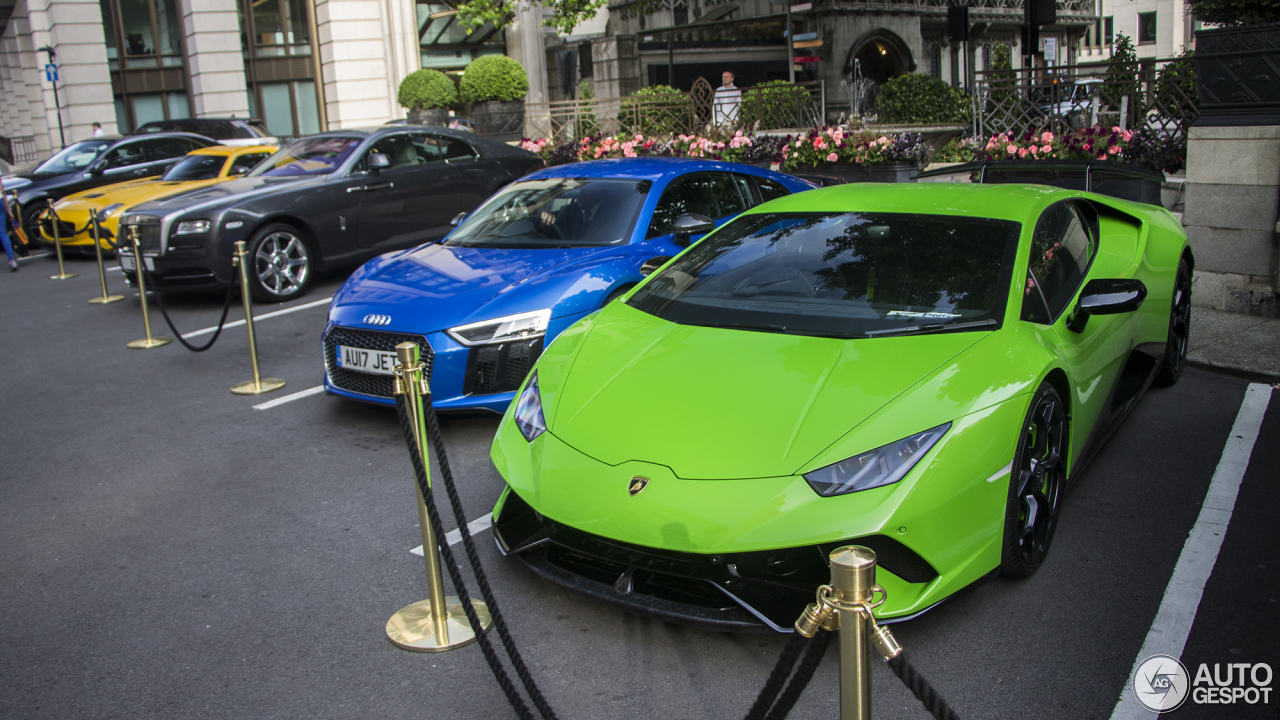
<point>97,130</point>
<point>4,230</point>
<point>728,97</point>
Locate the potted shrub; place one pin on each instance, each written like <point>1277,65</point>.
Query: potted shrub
<point>859,156</point>
<point>656,110</point>
<point>921,99</point>
<point>427,94</point>
<point>1233,61</point>
<point>773,104</point>
<point>495,85</point>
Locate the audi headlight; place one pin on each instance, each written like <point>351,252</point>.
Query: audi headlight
<point>512,327</point>
<point>885,465</point>
<point>528,413</point>
<point>192,227</point>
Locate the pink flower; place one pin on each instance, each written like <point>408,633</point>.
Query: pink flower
<point>1047,148</point>
<point>1113,149</point>
<point>1023,152</point>
<point>1033,149</point>
<point>858,159</point>
<point>795,154</point>
<point>1103,156</point>
<point>1011,149</point>
<point>832,157</point>
<point>1046,136</point>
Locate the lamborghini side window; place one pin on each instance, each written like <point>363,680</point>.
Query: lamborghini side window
<point>1034,308</point>
<point>1061,251</point>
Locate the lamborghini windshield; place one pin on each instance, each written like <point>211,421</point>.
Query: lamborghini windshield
<point>556,212</point>
<point>841,275</point>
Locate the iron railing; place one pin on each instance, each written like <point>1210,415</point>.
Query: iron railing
<point>765,108</point>
<point>18,150</point>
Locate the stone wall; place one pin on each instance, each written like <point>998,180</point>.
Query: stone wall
<point>1233,192</point>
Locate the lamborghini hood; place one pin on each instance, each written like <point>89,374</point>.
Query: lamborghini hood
<point>721,404</point>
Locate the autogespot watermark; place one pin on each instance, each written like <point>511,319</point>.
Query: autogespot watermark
<point>1162,683</point>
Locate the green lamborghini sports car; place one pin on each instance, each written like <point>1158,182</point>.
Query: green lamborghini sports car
<point>922,369</point>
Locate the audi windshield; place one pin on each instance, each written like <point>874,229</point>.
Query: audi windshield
<point>556,212</point>
<point>841,275</point>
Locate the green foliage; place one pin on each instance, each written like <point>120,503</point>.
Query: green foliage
<point>494,77</point>
<point>655,110</point>
<point>565,14</point>
<point>427,90</point>
<point>1176,83</point>
<point>1002,79</point>
<point>1236,12</point>
<point>1122,76</point>
<point>920,98</point>
<point>771,105</point>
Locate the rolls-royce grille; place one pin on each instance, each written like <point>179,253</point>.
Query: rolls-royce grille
<point>501,367</point>
<point>148,236</point>
<point>361,382</point>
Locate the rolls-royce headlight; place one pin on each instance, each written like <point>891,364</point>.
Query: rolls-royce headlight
<point>192,227</point>
<point>512,327</point>
<point>875,468</point>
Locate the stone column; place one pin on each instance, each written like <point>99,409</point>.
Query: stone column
<point>354,39</point>
<point>215,60</point>
<point>1233,188</point>
<point>525,46</point>
<point>74,29</point>
<point>27,82</point>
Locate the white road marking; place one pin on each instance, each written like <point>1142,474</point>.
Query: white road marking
<point>1177,613</point>
<point>258,318</point>
<point>290,398</point>
<point>454,537</point>
<point>29,258</point>
<point>1001,472</point>
<point>114,269</point>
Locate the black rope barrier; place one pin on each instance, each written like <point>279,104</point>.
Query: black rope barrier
<point>226,307</point>
<point>804,673</point>
<point>921,688</point>
<point>777,678</point>
<point>455,573</point>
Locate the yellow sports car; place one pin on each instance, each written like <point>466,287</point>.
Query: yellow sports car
<point>197,169</point>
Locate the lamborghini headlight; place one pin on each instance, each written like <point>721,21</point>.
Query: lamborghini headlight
<point>512,327</point>
<point>529,411</point>
<point>883,466</point>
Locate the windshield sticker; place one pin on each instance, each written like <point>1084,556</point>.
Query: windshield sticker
<point>908,313</point>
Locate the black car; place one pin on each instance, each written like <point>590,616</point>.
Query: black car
<point>323,201</point>
<point>100,161</point>
<point>228,131</point>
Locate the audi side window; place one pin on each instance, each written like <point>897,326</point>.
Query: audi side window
<point>771,189</point>
<point>1061,251</point>
<point>714,195</point>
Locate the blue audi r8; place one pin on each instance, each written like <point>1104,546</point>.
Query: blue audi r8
<point>541,253</point>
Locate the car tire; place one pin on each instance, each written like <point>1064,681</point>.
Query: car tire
<point>281,263</point>
<point>1037,483</point>
<point>1179,339</point>
<point>616,294</point>
<point>31,220</point>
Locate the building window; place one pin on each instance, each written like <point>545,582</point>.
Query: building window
<point>680,15</point>
<point>275,37</point>
<point>935,61</point>
<point>145,57</point>
<point>1108,31</point>
<point>1146,28</point>
<point>280,28</point>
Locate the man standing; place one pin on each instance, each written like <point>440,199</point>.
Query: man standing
<point>728,96</point>
<point>97,130</point>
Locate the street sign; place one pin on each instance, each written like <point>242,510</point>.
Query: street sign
<point>51,72</point>
<point>803,36</point>
<point>1050,51</point>
<point>806,59</point>
<point>807,43</point>
<point>801,7</point>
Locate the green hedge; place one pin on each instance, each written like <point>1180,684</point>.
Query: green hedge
<point>654,110</point>
<point>919,98</point>
<point>427,90</point>
<point>773,104</point>
<point>494,77</point>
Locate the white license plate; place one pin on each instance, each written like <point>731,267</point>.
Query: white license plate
<point>378,362</point>
<point>126,263</point>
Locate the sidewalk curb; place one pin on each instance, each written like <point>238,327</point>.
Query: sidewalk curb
<point>1245,374</point>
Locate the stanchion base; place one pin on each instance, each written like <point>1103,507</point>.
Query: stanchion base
<point>64,276</point>
<point>147,343</point>
<point>248,388</point>
<point>106,300</point>
<point>412,628</point>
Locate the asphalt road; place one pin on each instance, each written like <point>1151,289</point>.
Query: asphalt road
<point>171,552</point>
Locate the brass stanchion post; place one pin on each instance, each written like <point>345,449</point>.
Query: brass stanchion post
<point>147,342</point>
<point>102,272</point>
<point>439,622</point>
<point>258,384</point>
<point>57,246</point>
<point>853,577</point>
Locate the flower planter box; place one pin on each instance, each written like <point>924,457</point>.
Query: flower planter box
<point>432,116</point>
<point>499,120</point>
<point>1235,74</point>
<point>1121,180</point>
<point>883,172</point>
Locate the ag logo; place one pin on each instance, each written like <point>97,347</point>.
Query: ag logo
<point>637,484</point>
<point>1160,683</point>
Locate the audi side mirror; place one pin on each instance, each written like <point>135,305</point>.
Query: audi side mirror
<point>457,219</point>
<point>378,161</point>
<point>1106,297</point>
<point>690,224</point>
